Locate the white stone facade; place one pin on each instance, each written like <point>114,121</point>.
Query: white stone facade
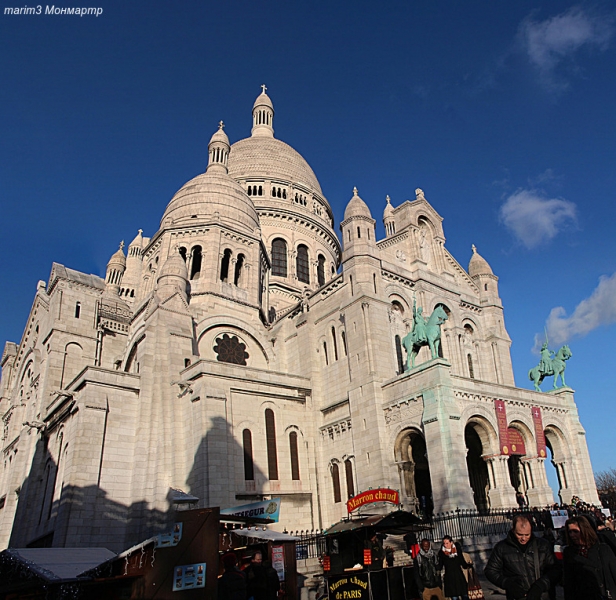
<point>243,352</point>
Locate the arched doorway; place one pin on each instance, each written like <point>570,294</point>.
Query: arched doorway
<point>554,440</point>
<point>477,468</point>
<point>517,451</point>
<point>412,460</point>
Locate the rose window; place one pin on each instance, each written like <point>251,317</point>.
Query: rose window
<point>230,350</point>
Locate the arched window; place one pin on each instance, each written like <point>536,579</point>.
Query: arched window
<point>399,357</point>
<point>239,263</point>
<point>274,192</point>
<point>224,265</point>
<point>335,343</point>
<point>321,270</point>
<point>302,264</point>
<point>325,350</point>
<point>195,269</point>
<point>471,370</point>
<point>279,258</point>
<point>260,190</point>
<point>182,251</point>
<point>348,469</point>
<point>250,190</point>
<point>336,483</point>
<point>294,456</point>
<point>249,469</point>
<point>344,344</point>
<point>358,232</point>
<point>270,436</point>
<point>77,309</point>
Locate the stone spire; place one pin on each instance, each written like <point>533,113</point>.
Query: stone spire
<point>218,151</point>
<point>388,218</point>
<point>115,269</point>
<point>263,116</point>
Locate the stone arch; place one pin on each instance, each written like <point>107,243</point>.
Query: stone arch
<point>560,458</point>
<point>481,440</point>
<point>131,364</point>
<point>221,335</point>
<point>72,363</point>
<point>411,457</point>
<point>206,340</point>
<point>518,474</point>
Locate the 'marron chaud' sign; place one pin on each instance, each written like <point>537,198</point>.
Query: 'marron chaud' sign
<point>345,587</point>
<point>370,496</point>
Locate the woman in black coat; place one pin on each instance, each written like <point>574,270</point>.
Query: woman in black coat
<point>589,567</point>
<point>454,582</point>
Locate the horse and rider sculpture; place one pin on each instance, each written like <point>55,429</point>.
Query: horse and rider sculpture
<point>551,364</point>
<point>428,333</point>
<point>424,333</point>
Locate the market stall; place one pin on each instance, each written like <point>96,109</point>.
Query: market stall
<point>354,564</point>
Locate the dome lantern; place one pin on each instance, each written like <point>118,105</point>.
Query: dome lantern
<point>263,116</point>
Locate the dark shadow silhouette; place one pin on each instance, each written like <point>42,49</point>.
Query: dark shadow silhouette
<point>88,517</point>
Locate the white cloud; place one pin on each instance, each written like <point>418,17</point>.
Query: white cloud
<point>534,219</point>
<point>555,40</point>
<point>599,309</point>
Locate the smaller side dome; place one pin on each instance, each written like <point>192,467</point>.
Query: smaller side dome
<point>356,207</point>
<point>138,241</point>
<point>218,151</point>
<point>389,209</point>
<point>478,265</point>
<point>174,266</point>
<point>118,258</point>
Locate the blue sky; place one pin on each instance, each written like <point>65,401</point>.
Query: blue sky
<point>502,112</point>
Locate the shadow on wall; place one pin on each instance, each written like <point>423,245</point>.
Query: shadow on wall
<point>219,459</point>
<point>51,513</point>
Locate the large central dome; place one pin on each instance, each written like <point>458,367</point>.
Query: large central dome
<point>260,156</point>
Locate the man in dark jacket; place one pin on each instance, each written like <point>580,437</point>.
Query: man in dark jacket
<point>427,572</point>
<point>522,564</point>
<point>232,584</point>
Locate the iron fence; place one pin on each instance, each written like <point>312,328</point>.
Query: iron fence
<point>459,524</point>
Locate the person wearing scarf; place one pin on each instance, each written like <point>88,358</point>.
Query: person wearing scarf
<point>589,567</point>
<point>455,584</point>
<point>427,571</point>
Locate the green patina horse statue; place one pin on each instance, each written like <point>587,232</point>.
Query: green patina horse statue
<point>426,335</point>
<point>553,366</point>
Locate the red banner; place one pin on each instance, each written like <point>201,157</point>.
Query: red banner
<point>378,495</point>
<point>516,442</point>
<point>542,450</point>
<point>501,419</point>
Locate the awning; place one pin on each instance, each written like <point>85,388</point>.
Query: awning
<point>266,536</point>
<point>398,522</point>
<point>56,564</point>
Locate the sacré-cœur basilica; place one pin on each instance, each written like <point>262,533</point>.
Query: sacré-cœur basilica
<point>244,351</point>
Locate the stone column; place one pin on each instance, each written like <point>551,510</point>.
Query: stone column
<point>501,492</point>
<point>539,493</point>
<point>565,492</point>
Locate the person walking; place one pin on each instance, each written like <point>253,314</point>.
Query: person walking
<point>232,583</point>
<point>256,578</point>
<point>427,571</point>
<point>589,566</point>
<point>522,564</point>
<point>455,585</point>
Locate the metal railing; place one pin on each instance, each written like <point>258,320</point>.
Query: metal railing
<point>459,524</point>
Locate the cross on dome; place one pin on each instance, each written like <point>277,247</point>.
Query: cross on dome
<point>122,245</point>
<point>474,248</point>
<point>388,199</point>
<point>221,125</point>
<point>354,191</point>
<point>263,88</point>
